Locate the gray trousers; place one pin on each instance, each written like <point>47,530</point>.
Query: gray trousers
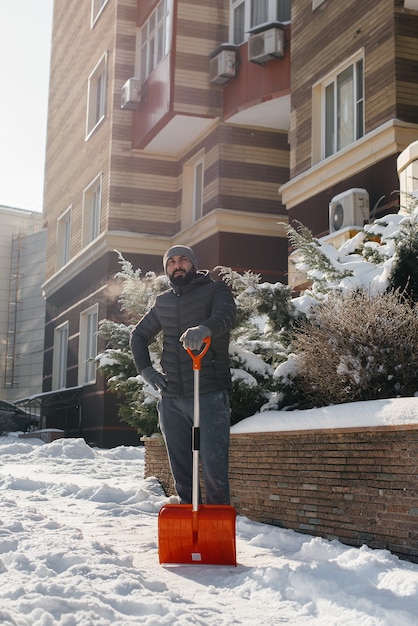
<point>176,422</point>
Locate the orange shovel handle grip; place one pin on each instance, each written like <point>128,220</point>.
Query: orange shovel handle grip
<point>197,358</point>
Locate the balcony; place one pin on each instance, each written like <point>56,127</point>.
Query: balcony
<point>260,94</point>
<point>179,104</point>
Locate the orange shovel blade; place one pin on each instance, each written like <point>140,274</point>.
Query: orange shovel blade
<point>206,536</point>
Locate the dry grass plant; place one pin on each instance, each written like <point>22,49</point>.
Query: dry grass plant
<point>358,347</point>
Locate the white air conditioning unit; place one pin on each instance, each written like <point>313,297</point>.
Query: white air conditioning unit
<point>131,94</point>
<point>350,208</point>
<point>266,45</point>
<point>222,67</point>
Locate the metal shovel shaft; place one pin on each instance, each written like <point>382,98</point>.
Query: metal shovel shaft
<point>196,443</point>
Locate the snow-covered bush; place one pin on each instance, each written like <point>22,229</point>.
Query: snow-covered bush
<point>379,263</point>
<point>356,346</point>
<point>259,342</point>
<point>137,400</point>
<point>404,271</point>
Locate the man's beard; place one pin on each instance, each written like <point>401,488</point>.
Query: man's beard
<point>181,278</point>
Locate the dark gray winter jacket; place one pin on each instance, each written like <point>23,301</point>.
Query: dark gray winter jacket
<point>203,301</point>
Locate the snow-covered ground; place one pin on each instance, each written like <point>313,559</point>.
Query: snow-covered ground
<point>78,547</point>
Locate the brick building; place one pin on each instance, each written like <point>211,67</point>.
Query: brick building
<point>208,123</point>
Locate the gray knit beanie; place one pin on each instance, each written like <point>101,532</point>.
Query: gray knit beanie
<point>180,251</point>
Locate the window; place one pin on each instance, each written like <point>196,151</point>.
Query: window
<point>96,96</point>
<point>59,361</point>
<point>246,14</point>
<point>343,108</point>
<point>63,239</point>
<point>154,39</point>
<point>198,190</point>
<point>92,202</point>
<point>192,189</point>
<point>97,7</point>
<point>88,346</point>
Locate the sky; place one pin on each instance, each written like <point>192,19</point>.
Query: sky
<point>79,547</point>
<point>25,43</point>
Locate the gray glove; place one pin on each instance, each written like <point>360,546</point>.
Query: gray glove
<point>193,337</point>
<point>154,378</point>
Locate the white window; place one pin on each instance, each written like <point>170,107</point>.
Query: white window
<point>198,190</point>
<point>97,7</point>
<point>192,189</point>
<point>63,239</point>
<point>154,39</point>
<point>59,360</point>
<point>246,14</point>
<point>96,96</point>
<point>88,346</point>
<point>343,108</point>
<point>92,203</point>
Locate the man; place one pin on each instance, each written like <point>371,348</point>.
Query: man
<point>193,308</point>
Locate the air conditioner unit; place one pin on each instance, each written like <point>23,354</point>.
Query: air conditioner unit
<point>131,94</point>
<point>350,208</point>
<point>222,67</point>
<point>266,45</point>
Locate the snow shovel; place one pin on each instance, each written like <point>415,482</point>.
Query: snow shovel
<point>193,533</point>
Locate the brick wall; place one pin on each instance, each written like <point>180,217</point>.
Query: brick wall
<point>359,486</point>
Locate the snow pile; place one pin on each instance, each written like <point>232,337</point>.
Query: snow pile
<point>352,415</point>
<point>78,547</point>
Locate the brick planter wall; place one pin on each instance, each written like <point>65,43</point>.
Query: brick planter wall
<point>359,486</point>
<point>156,463</point>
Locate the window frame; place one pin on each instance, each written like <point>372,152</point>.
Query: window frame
<point>92,210</point>
<point>60,356</point>
<point>154,39</point>
<point>247,14</point>
<point>87,345</point>
<point>96,96</point>
<point>318,130</point>
<point>191,212</point>
<point>63,239</point>
<point>331,145</point>
<point>198,187</point>
<point>97,8</point>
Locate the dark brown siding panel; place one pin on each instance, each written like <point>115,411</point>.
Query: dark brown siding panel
<point>252,171</point>
<point>144,226</point>
<point>263,255</point>
<point>132,196</point>
<point>252,205</point>
<point>198,97</point>
<point>143,165</point>
<point>193,28</point>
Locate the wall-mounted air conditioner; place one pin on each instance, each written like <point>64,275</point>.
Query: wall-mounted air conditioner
<point>265,45</point>
<point>222,67</point>
<point>131,94</point>
<point>350,208</point>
